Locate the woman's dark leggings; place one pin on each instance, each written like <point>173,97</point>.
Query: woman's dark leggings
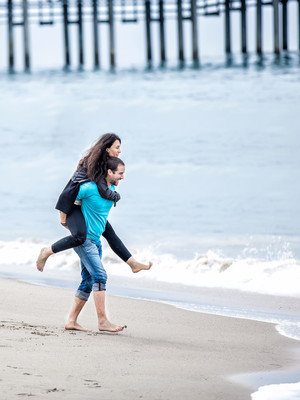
<point>77,227</point>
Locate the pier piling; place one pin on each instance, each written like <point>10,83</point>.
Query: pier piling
<point>259,27</point>
<point>95,34</point>
<point>227,27</point>
<point>10,35</point>
<point>66,32</point>
<point>26,35</point>
<point>180,31</point>
<point>284,25</point>
<point>276,26</point>
<point>148,31</point>
<point>162,32</point>
<point>299,25</point>
<point>243,26</point>
<point>194,31</point>
<point>80,33</point>
<point>111,34</point>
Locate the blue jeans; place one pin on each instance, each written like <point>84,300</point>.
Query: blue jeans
<point>93,274</point>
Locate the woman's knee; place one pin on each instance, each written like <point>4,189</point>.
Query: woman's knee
<point>80,238</point>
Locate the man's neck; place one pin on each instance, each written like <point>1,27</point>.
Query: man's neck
<point>108,182</point>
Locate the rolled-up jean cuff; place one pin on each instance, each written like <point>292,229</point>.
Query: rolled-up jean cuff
<point>99,286</point>
<point>82,295</point>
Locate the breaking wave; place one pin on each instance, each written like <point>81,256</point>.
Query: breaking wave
<point>274,277</point>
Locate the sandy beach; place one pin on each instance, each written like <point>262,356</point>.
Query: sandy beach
<point>165,353</point>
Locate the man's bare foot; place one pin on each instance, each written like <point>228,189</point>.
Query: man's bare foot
<point>106,326</point>
<point>74,326</point>
<point>137,267</point>
<point>42,258</point>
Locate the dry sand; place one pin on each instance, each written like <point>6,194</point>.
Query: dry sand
<point>165,353</point>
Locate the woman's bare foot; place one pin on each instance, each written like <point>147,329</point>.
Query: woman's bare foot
<point>74,326</point>
<point>42,258</point>
<point>137,266</point>
<point>106,326</point>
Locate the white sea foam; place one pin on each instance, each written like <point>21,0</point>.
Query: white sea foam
<point>275,277</point>
<point>284,391</point>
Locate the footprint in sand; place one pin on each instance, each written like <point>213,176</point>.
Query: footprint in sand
<point>92,384</point>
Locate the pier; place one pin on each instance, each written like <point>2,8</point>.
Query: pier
<point>23,13</point>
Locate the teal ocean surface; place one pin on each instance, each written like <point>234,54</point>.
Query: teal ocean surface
<point>212,155</point>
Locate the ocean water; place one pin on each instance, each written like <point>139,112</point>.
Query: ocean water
<point>210,194</point>
<point>212,163</point>
<point>287,391</point>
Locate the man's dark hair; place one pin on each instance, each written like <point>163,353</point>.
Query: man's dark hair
<point>113,163</point>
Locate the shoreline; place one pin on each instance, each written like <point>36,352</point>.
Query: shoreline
<point>283,311</point>
<point>165,353</point>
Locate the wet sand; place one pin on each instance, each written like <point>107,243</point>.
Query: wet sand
<point>165,353</point>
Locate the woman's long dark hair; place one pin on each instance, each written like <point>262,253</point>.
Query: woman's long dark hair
<point>95,161</point>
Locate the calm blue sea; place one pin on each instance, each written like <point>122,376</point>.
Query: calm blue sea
<point>212,155</point>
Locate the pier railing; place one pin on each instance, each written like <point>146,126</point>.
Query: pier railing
<point>22,13</point>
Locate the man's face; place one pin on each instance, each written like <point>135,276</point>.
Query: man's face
<point>115,177</point>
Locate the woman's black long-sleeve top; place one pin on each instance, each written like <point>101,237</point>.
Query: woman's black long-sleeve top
<point>68,196</point>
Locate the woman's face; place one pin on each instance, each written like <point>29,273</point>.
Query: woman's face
<point>115,149</point>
